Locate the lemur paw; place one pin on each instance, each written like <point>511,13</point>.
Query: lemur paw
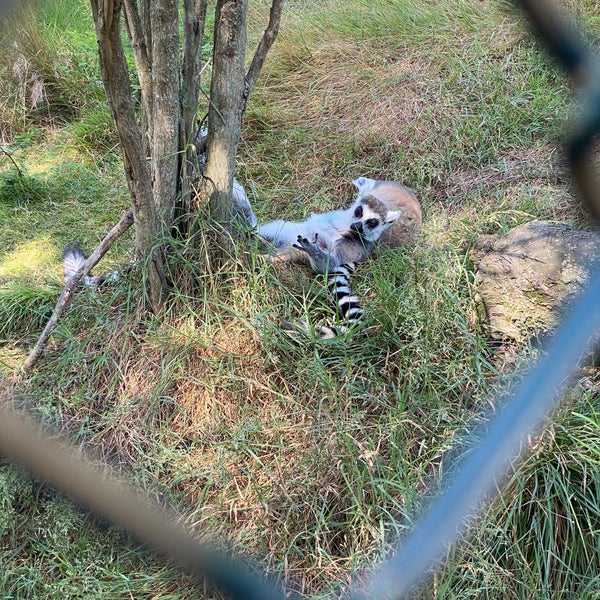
<point>305,245</point>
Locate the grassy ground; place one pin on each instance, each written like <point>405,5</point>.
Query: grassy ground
<point>311,457</point>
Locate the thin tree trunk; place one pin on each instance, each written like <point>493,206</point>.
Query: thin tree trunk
<point>191,69</point>
<point>166,106</point>
<point>142,57</point>
<point>228,95</point>
<point>107,14</point>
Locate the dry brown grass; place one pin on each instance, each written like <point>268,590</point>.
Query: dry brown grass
<point>347,89</point>
<point>312,456</point>
<point>348,96</point>
<point>340,108</point>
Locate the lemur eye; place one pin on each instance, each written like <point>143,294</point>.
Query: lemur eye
<point>372,223</point>
<point>358,213</point>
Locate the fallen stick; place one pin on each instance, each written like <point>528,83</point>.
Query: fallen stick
<point>71,286</point>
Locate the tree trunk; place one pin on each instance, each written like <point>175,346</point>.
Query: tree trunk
<point>165,116</point>
<point>115,75</point>
<point>228,93</point>
<point>193,31</point>
<point>169,78</point>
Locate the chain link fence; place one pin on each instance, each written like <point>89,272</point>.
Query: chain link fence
<point>479,475</point>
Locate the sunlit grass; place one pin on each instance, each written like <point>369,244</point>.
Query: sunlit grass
<point>35,259</point>
<point>314,456</point>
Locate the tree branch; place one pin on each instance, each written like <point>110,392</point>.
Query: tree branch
<point>12,160</point>
<point>71,287</point>
<point>265,44</point>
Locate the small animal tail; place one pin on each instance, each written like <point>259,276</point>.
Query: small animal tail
<point>73,260</point>
<point>347,304</point>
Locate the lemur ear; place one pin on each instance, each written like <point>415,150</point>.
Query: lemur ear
<point>392,216</point>
<point>364,185</point>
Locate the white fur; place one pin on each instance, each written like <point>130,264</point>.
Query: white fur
<point>365,186</point>
<point>329,227</point>
<point>242,203</point>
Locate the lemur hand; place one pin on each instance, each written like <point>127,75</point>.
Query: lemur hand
<point>321,261</point>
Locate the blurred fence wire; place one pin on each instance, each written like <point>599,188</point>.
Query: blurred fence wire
<point>483,471</point>
<point>480,474</point>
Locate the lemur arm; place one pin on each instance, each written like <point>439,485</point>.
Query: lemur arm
<point>320,261</point>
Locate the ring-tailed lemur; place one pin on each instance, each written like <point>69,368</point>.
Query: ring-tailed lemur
<point>384,211</point>
<point>331,226</point>
<point>333,243</point>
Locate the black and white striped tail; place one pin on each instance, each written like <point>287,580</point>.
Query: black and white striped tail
<point>347,303</point>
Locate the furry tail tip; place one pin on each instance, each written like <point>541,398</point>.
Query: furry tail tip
<point>73,260</point>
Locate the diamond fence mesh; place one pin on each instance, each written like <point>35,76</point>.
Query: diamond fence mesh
<point>445,521</point>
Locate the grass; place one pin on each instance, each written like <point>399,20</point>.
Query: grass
<point>548,506</point>
<point>312,456</point>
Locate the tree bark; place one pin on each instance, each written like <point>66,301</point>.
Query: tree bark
<point>141,55</point>
<point>191,69</point>
<point>115,76</point>
<point>165,116</point>
<point>228,95</point>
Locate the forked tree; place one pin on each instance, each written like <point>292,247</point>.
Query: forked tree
<point>156,131</point>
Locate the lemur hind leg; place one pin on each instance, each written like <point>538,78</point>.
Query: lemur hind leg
<point>320,261</point>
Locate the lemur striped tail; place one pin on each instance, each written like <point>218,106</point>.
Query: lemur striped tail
<point>347,303</point>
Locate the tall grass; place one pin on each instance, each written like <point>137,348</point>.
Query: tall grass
<point>536,540</point>
<point>314,456</point>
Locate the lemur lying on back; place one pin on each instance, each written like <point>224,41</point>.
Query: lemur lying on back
<point>334,242</point>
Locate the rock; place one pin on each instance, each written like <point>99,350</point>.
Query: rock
<point>526,279</point>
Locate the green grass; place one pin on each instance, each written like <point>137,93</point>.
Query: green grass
<point>313,456</point>
<point>49,565</point>
<point>24,309</point>
<point>548,505</point>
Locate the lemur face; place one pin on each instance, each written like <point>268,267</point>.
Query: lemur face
<point>371,218</point>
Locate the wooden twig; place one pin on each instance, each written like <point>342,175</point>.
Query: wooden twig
<point>71,287</point>
<point>12,160</point>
